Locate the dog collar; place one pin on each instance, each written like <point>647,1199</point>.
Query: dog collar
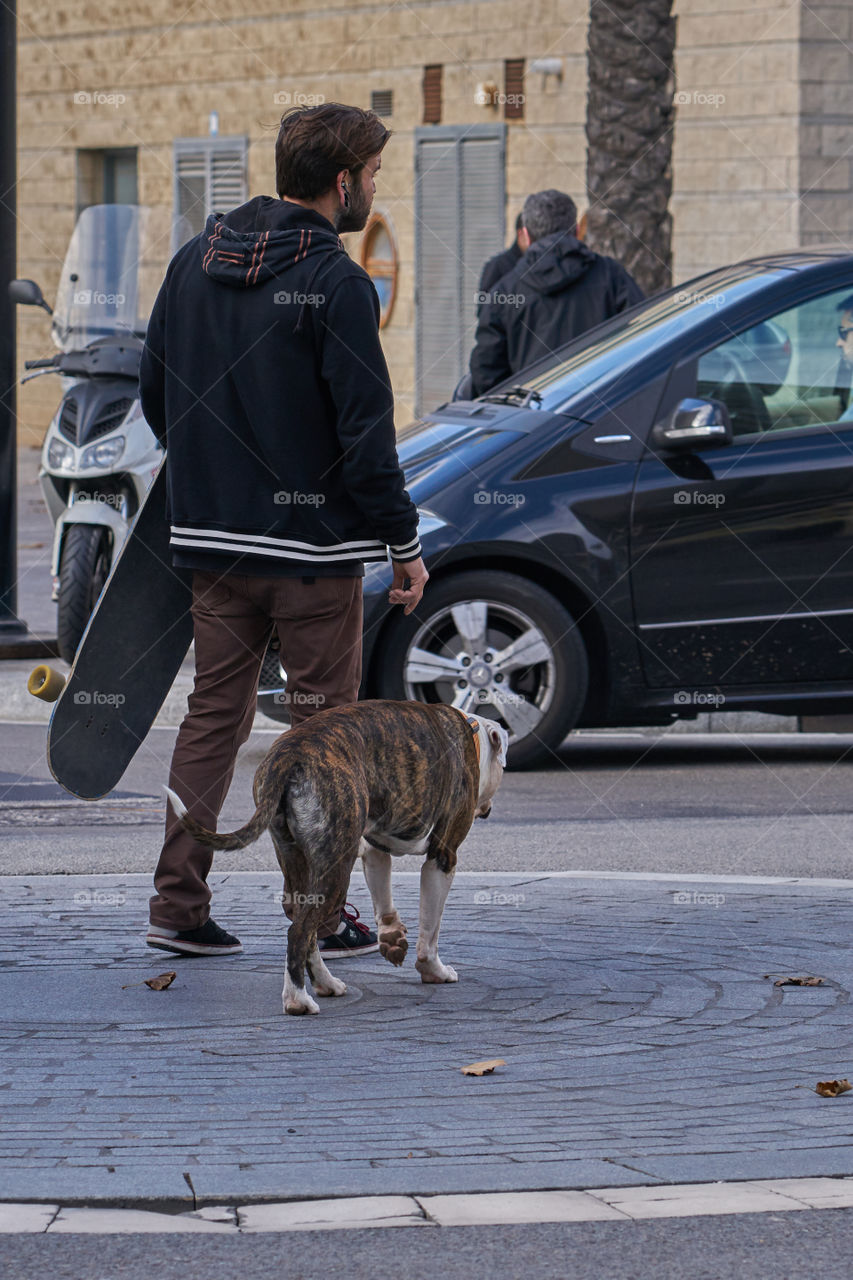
<point>475,729</point>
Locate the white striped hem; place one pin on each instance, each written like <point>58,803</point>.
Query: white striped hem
<point>377,551</point>
<point>224,536</point>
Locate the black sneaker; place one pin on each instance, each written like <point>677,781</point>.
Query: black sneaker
<point>208,940</point>
<point>354,939</point>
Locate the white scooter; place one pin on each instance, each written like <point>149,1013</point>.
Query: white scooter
<point>99,454</point>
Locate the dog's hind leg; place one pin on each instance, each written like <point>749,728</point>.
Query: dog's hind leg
<point>323,982</point>
<point>435,886</point>
<point>301,941</point>
<point>390,929</point>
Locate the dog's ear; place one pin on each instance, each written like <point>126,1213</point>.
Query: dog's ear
<point>499,739</point>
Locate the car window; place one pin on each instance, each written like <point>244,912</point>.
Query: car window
<point>627,340</point>
<point>787,373</point>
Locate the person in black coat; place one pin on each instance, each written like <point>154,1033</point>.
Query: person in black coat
<point>554,293</point>
<point>497,266</point>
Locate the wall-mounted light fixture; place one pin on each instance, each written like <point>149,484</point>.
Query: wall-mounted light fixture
<point>547,67</point>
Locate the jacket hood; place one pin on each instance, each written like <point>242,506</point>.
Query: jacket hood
<point>554,263</point>
<point>262,239</point>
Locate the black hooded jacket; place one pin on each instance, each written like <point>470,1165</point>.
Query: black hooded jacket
<point>264,377</point>
<point>556,291</point>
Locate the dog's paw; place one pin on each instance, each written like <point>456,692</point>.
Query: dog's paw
<point>331,987</point>
<point>393,944</point>
<point>435,971</point>
<point>300,1004</point>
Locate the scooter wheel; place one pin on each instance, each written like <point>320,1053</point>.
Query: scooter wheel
<point>45,683</point>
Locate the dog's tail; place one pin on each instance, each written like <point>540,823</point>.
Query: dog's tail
<point>248,834</point>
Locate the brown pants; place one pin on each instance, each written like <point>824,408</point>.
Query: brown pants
<point>319,629</point>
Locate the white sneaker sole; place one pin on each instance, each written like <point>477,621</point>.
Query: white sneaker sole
<point>181,948</point>
<point>337,953</point>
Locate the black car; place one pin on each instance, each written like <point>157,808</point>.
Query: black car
<point>654,522</point>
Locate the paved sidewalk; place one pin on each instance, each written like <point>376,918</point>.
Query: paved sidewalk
<point>643,1044</point>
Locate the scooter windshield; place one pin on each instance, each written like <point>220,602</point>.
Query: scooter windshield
<point>112,271</point>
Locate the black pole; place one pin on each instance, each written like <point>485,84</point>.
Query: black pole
<point>10,624</point>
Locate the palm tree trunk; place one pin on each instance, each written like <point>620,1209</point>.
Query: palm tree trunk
<point>629,123</point>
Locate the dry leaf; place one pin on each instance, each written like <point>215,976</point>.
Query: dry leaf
<point>162,981</point>
<point>832,1088</point>
<point>797,982</point>
<point>483,1068</point>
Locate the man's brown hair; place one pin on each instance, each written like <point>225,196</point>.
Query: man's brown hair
<point>315,143</point>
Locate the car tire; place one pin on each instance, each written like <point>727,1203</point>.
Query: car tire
<point>476,616</point>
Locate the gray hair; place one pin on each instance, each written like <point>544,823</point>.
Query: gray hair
<point>548,211</point>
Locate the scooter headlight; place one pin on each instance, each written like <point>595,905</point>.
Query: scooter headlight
<point>60,456</point>
<point>104,454</point>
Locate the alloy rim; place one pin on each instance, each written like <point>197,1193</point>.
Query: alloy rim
<point>487,658</point>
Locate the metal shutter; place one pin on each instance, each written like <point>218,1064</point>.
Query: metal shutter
<point>210,176</point>
<point>459,223</point>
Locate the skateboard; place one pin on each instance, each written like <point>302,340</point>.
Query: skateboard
<point>131,651</point>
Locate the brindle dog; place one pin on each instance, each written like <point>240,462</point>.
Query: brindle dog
<point>378,778</point>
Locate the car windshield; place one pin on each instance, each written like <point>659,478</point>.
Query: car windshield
<point>112,271</point>
<point>624,341</point>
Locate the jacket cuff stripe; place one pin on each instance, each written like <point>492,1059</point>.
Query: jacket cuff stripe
<point>408,551</point>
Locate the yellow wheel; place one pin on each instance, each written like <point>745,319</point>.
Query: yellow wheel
<point>45,683</point>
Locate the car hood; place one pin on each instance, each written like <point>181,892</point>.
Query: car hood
<point>440,447</point>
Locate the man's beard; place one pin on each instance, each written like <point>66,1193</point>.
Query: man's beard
<point>355,217</point>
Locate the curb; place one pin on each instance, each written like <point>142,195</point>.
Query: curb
<point>481,1209</point>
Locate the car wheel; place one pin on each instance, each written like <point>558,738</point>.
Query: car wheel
<point>497,645</point>
<point>272,685</point>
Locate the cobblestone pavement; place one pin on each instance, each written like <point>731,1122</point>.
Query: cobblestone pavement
<point>643,1043</point>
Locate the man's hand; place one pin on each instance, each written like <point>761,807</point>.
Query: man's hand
<point>413,573</point>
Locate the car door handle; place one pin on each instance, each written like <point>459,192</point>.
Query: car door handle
<point>612,439</point>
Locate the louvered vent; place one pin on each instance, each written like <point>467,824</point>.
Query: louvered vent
<point>108,418</point>
<point>514,89</point>
<point>68,421</point>
<point>382,101</point>
<point>432,94</point>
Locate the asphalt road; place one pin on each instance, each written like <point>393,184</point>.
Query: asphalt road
<point>802,1246</point>
<point>754,805</point>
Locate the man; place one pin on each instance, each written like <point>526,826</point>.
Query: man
<point>555,292</point>
<point>845,345</point>
<point>264,377</point>
<point>497,267</point>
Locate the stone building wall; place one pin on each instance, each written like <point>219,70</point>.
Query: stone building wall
<point>763,117</point>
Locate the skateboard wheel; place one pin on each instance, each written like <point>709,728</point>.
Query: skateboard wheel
<point>45,683</point>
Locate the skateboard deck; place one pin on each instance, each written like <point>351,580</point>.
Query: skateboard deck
<point>131,651</point>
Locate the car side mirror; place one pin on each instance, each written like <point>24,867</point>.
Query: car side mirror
<point>694,423</point>
<point>27,294</point>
